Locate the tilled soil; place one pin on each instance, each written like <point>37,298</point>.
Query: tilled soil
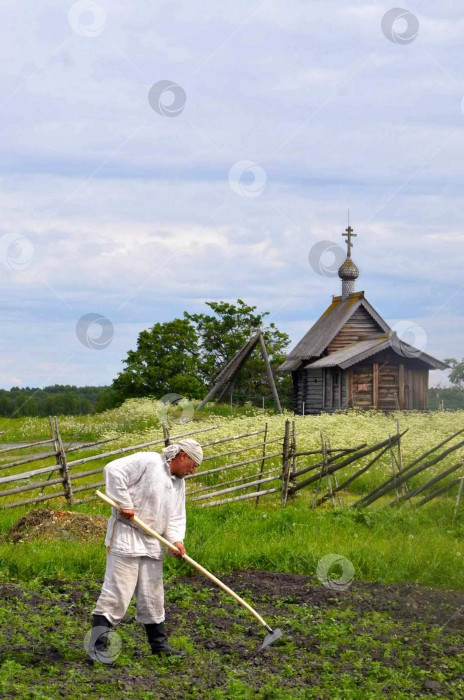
<point>403,601</point>
<point>368,641</point>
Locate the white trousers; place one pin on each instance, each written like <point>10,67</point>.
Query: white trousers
<point>125,576</point>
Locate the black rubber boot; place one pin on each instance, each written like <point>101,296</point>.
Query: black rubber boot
<point>98,642</point>
<point>158,640</point>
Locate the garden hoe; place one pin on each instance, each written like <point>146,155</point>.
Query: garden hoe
<point>273,634</point>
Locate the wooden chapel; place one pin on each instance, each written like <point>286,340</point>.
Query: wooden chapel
<point>351,358</point>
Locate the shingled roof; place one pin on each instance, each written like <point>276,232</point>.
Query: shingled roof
<point>356,352</point>
<point>316,340</point>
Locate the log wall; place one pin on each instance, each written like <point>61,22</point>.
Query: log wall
<point>362,386</point>
<point>314,389</point>
<point>388,387</point>
<point>323,389</point>
<point>360,323</point>
<point>387,381</point>
<point>308,389</point>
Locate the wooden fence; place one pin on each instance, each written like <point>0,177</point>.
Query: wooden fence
<point>273,465</point>
<point>64,484</point>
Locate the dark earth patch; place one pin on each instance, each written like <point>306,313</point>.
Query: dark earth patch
<point>405,601</point>
<point>369,641</point>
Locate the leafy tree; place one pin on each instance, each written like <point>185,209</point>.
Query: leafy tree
<point>456,376</point>
<point>108,398</point>
<point>166,361</point>
<point>224,333</point>
<point>450,398</point>
<point>21,404</point>
<point>6,406</point>
<point>185,355</point>
<point>85,406</point>
<point>57,399</point>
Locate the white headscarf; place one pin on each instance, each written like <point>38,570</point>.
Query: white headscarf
<point>191,447</point>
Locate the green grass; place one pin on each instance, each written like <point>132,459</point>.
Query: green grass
<point>417,545</point>
<point>384,544</point>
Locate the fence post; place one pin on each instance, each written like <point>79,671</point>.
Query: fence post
<point>61,460</point>
<point>55,447</point>
<point>294,458</point>
<point>167,439</point>
<point>458,498</point>
<point>285,463</point>
<point>392,457</point>
<point>323,470</point>
<point>262,461</point>
<point>329,483</point>
<point>404,485</point>
<point>270,376</point>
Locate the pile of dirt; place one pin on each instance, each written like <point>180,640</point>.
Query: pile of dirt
<point>48,525</point>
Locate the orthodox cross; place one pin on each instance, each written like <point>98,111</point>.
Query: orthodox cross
<point>349,235</point>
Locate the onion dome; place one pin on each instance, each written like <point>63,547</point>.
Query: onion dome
<point>348,271</point>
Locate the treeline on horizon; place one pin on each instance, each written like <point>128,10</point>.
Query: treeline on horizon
<point>64,400</point>
<point>84,400</point>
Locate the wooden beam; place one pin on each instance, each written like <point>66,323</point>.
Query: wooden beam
<point>240,498</point>
<point>375,384</point>
<point>36,458</point>
<point>231,489</point>
<point>401,385</point>
<point>403,476</point>
<point>235,464</point>
<point>335,467</point>
<point>329,385</point>
<point>225,390</point>
<point>339,487</point>
<point>29,444</point>
<point>262,463</point>
<point>432,482</point>
<point>232,368</point>
<point>324,372</point>
<point>270,376</point>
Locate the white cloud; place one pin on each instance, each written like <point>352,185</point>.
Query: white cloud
<point>131,214</point>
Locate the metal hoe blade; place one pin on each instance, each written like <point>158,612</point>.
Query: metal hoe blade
<point>271,638</point>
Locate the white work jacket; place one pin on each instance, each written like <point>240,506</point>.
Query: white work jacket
<point>143,482</point>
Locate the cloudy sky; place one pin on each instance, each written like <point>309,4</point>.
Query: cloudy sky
<point>157,155</point>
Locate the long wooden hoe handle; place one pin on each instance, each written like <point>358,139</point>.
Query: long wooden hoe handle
<point>186,557</point>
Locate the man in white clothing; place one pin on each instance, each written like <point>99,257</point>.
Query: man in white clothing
<point>152,486</point>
